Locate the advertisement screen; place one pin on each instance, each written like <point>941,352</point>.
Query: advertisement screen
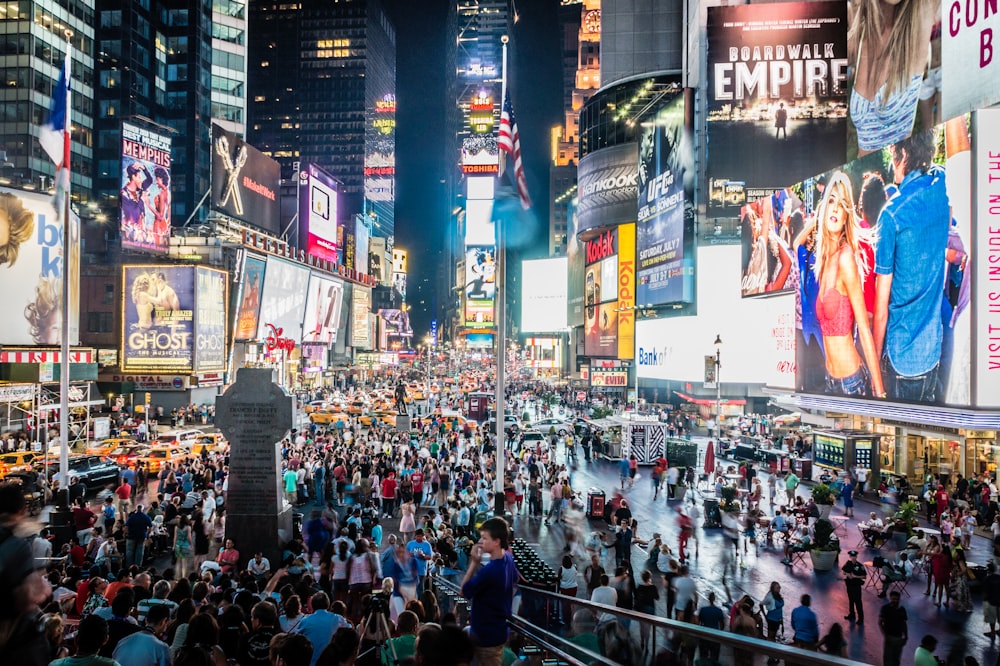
<point>323,306</point>
<point>145,193</point>
<point>210,319</point>
<point>318,213</point>
<point>986,262</point>
<point>964,62</point>
<point>768,229</point>
<point>479,313</point>
<point>601,294</point>
<point>607,187</point>
<point>361,248</point>
<point>883,286</point>
<point>601,332</point>
<point>673,348</point>
<point>158,318</point>
<point>283,300</point>
<point>543,295</point>
<point>665,223</point>
<point>361,305</point>
<point>399,284</point>
<point>777,96</point>
<point>31,271</point>
<point>479,226</point>
<point>253,283</point>
<point>396,323</point>
<point>480,273</point>
<point>625,285</point>
<point>380,150</point>
<point>244,181</point>
<point>575,266</point>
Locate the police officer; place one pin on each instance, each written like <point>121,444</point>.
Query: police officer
<point>854,576</point>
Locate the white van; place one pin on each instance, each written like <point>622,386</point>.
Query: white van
<point>185,438</point>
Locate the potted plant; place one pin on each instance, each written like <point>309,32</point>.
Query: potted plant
<point>824,496</point>
<point>903,523</point>
<point>729,502</point>
<point>825,549</point>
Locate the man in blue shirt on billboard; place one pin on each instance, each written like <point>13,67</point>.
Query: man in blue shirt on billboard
<point>909,267</point>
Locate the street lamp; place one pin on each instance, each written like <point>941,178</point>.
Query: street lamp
<point>718,385</point>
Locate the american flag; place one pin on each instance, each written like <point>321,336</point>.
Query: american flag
<point>509,141</point>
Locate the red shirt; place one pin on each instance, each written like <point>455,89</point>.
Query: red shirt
<point>418,481</point>
<point>389,488</point>
<point>124,491</point>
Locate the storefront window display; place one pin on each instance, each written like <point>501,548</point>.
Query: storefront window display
<point>939,456</point>
<point>981,453</point>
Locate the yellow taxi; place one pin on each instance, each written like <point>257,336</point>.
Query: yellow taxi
<point>19,461</point>
<point>328,417</point>
<point>385,417</point>
<point>210,441</point>
<point>357,407</point>
<point>158,456</point>
<point>453,420</point>
<point>106,446</point>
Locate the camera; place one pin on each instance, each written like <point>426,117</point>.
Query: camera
<point>379,604</point>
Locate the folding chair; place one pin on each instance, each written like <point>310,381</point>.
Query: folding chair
<point>799,557</point>
<point>898,583</point>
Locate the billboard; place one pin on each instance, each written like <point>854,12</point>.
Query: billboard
<point>361,305</point>
<point>673,348</point>
<point>883,281</point>
<point>574,268</point>
<point>396,323</point>
<point>250,289</point>
<point>543,295</point>
<point>986,261</point>
<point>479,226</point>
<point>145,194</point>
<point>625,281</point>
<point>211,297</point>
<point>480,273</point>
<point>380,150</point>
<point>361,248</point>
<point>322,317</point>
<point>664,232</point>
<point>244,181</point>
<point>966,75</point>
<point>283,299</point>
<point>318,213</point>
<point>378,267</point>
<point>777,96</point>
<point>607,186</point>
<point>768,229</point>
<point>31,271</point>
<point>479,314</point>
<point>158,327</point>
<point>601,295</point>
<point>608,379</point>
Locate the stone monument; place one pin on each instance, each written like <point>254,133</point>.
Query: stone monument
<point>255,414</point>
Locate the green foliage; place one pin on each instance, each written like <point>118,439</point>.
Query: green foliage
<point>602,412</point>
<point>824,494</point>
<point>906,517</point>
<point>823,536</point>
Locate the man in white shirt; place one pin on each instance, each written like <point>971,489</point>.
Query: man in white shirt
<point>259,567</point>
<point>607,595</point>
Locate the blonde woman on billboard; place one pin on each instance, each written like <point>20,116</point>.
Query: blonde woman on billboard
<point>17,223</point>
<point>840,269</point>
<point>44,315</point>
<point>888,44</point>
<point>143,302</point>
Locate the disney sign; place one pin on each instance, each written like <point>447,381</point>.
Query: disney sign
<point>274,340</point>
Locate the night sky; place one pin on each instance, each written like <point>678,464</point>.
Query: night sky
<point>536,93</point>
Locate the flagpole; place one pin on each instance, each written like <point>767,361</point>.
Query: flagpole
<point>67,252</point>
<point>500,320</point>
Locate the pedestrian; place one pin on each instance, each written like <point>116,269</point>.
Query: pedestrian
<point>490,586</point>
<point>892,620</point>
<point>623,471</point>
<point>686,526</point>
<point>847,494</point>
<point>673,475</point>
<point>805,624</point>
<point>834,642</point>
<point>924,654</point>
<point>991,598</point>
<point>710,616</point>
<point>854,578</point>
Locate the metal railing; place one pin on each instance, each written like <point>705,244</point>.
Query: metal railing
<point>565,649</point>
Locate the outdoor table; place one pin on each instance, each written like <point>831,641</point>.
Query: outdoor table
<point>839,525</point>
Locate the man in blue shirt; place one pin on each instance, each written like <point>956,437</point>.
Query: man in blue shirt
<point>910,272</point>
<point>320,626</point>
<point>805,625</point>
<point>136,529</point>
<point>422,553</point>
<point>490,588</point>
<point>145,648</point>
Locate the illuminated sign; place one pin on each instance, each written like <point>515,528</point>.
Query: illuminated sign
<point>318,213</point>
<point>609,378</point>
<point>244,181</point>
<point>386,105</point>
<point>145,192</point>
<point>274,339</point>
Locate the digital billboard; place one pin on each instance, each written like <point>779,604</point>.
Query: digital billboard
<point>777,96</point>
<point>664,231</point>
<point>479,314</point>
<point>625,284</point>
<point>283,299</point>
<point>574,268</point>
<point>250,289</point>
<point>31,271</point>
<point>607,187</point>
<point>244,182</point>
<point>380,150</point>
<point>673,348</point>
<point>361,246</point>
<point>211,291</point>
<point>768,228</point>
<point>318,213</point>
<point>396,323</point>
<point>322,317</point>
<point>145,194</point>
<point>601,295</point>
<point>480,273</point>
<point>883,281</point>
<point>361,305</point>
<point>158,313</point>
<point>543,295</point>
<point>986,262</point>
<point>479,226</point>
<point>966,75</point>
<point>378,264</point>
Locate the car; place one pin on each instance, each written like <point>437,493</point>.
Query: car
<point>533,438</point>
<point>357,407</point>
<point>18,461</point>
<point>92,472</point>
<point>178,437</point>
<point>105,446</point>
<point>211,442</point>
<point>510,424</point>
<point>562,427</point>
<point>313,405</point>
<point>127,455</point>
<point>386,417</point>
<point>158,456</point>
<point>328,417</point>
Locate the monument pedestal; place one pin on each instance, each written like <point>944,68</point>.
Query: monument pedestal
<point>403,422</point>
<point>255,414</point>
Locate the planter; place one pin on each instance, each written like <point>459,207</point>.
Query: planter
<point>824,510</point>
<point>679,493</point>
<point>824,560</point>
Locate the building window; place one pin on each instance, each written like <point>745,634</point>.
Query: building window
<point>109,294</point>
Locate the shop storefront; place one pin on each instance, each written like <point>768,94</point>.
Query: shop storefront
<point>981,453</point>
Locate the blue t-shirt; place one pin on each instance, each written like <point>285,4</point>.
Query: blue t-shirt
<point>319,629</point>
<point>623,467</point>
<point>424,547</point>
<point>805,625</point>
<point>491,591</point>
<point>712,617</point>
<point>912,239</point>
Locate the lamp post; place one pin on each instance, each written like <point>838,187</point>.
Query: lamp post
<point>718,386</point>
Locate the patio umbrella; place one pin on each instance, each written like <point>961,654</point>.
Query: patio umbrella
<point>709,459</point>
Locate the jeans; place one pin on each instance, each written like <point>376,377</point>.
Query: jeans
<point>134,551</point>
<point>855,385</point>
<point>922,388</point>
<point>892,650</point>
<point>320,496</point>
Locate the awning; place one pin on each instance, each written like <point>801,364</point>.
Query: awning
<point>707,402</point>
